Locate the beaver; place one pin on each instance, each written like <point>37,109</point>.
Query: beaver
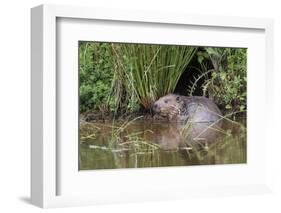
<point>201,112</point>
<point>183,108</point>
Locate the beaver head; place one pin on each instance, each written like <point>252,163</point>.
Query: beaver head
<point>169,106</point>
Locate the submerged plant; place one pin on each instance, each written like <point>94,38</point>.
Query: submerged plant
<point>126,145</point>
<point>88,131</point>
<point>120,138</point>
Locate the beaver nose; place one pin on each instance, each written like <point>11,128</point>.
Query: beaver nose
<point>154,106</point>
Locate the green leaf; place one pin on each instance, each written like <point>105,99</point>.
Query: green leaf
<point>223,75</point>
<point>200,59</point>
<point>228,106</point>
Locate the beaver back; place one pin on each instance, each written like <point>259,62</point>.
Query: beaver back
<point>198,109</point>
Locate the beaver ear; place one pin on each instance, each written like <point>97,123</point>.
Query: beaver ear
<point>178,99</point>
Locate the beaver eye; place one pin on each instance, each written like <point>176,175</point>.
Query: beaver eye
<point>166,101</point>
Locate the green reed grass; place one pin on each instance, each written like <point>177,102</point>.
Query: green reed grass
<point>149,71</point>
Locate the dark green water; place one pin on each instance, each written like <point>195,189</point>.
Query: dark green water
<point>139,144</point>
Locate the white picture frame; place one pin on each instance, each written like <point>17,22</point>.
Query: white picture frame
<point>46,167</point>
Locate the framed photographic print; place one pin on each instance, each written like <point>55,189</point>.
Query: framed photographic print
<point>130,106</point>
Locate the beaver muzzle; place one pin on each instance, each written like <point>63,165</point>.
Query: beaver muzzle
<point>156,108</point>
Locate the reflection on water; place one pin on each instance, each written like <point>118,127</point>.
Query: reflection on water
<point>141,143</point>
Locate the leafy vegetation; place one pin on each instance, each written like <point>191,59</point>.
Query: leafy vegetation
<point>96,75</point>
<point>226,80</point>
<point>126,78</point>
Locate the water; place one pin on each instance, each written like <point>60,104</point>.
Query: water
<point>142,143</point>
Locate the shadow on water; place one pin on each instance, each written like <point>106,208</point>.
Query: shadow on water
<point>142,143</point>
